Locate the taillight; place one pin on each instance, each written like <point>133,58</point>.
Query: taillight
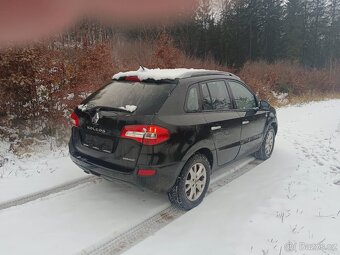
<point>145,134</point>
<point>74,119</point>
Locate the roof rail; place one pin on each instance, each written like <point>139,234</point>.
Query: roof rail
<point>201,73</point>
<point>169,74</point>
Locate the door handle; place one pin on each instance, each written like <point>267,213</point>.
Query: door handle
<point>215,128</point>
<point>245,122</point>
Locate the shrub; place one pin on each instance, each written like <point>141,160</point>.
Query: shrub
<point>41,84</point>
<point>288,77</point>
<point>18,69</point>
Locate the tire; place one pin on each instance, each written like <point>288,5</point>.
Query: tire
<point>267,145</point>
<point>191,198</point>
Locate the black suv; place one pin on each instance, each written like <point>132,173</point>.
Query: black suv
<point>168,129</point>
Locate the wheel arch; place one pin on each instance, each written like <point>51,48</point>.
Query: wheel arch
<point>204,149</point>
<point>209,155</point>
<point>274,125</point>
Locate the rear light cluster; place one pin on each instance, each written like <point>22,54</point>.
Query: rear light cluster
<point>132,78</point>
<point>145,134</point>
<point>74,120</point>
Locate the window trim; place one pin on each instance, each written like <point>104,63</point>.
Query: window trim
<point>233,98</point>
<point>200,88</point>
<point>229,94</point>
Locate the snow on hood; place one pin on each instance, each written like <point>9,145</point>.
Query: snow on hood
<point>157,74</point>
<point>130,108</point>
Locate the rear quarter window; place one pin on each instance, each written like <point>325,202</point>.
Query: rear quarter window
<point>192,104</point>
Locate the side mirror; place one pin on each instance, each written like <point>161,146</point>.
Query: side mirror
<point>252,111</point>
<point>264,105</point>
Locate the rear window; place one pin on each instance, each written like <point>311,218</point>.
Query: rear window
<point>148,97</point>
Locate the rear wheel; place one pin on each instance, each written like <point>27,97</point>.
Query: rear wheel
<point>192,184</point>
<point>267,146</point>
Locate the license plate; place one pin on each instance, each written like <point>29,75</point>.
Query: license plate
<point>97,142</point>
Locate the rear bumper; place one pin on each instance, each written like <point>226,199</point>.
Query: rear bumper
<point>162,181</point>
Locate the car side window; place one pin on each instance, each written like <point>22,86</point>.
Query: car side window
<point>206,104</point>
<point>220,99</point>
<point>192,104</point>
<point>244,99</point>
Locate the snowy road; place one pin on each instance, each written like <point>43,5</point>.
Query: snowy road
<point>91,217</point>
<point>68,221</point>
<point>290,199</point>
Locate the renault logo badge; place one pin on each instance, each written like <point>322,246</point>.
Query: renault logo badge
<point>95,118</point>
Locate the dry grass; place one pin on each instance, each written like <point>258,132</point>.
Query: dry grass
<point>309,97</point>
<point>289,77</point>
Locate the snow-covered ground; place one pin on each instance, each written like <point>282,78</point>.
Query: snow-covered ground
<point>42,157</point>
<point>15,188</point>
<point>34,173</point>
<point>289,204</point>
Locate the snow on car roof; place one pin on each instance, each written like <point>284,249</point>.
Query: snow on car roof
<point>168,74</point>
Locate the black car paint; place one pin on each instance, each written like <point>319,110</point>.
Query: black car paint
<point>190,132</point>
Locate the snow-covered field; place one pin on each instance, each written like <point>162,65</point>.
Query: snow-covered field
<point>289,204</point>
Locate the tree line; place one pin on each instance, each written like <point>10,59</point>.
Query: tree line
<point>236,31</point>
<point>307,31</point>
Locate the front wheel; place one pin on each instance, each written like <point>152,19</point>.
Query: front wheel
<point>267,145</point>
<point>192,184</point>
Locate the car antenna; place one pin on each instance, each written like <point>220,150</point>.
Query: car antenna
<point>143,68</point>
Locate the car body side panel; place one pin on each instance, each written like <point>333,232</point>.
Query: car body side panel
<point>186,130</point>
<point>254,123</point>
<point>226,135</point>
<point>189,131</point>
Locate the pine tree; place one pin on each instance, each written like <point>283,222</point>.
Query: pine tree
<point>294,29</point>
<point>317,27</point>
<point>270,28</point>
<point>333,36</point>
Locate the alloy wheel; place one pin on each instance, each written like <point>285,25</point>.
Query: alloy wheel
<point>195,181</point>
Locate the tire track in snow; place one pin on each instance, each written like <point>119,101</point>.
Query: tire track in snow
<point>44,193</point>
<point>117,244</point>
